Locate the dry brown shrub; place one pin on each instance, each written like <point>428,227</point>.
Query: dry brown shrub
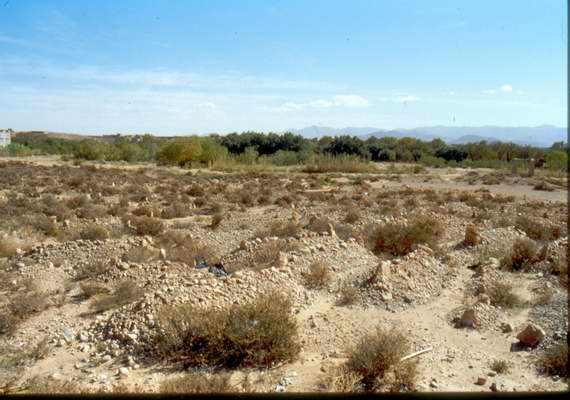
<point>555,360</point>
<point>147,226</point>
<point>522,255</point>
<point>544,296</point>
<point>92,270</point>
<point>182,247</point>
<point>377,359</point>
<point>125,292</point>
<point>352,216</point>
<point>560,267</point>
<point>176,210</point>
<point>91,212</point>
<point>400,239</point>
<point>349,295</point>
<point>319,275</point>
<point>9,245</point>
<point>145,210</point>
<point>471,235</point>
<point>141,254</point>
<point>198,383</point>
<point>90,289</point>
<point>267,255</point>
<point>259,333</point>
<point>216,221</point>
<point>280,230</point>
<point>541,185</point>
<point>78,201</point>
<point>501,294</point>
<point>500,366</point>
<point>341,380</point>
<point>45,225</point>
<point>318,225</point>
<point>94,232</point>
<point>536,230</point>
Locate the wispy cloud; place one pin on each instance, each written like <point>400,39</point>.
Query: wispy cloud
<point>506,88</point>
<point>337,101</point>
<point>161,78</point>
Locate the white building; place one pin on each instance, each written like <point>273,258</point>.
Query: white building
<point>5,135</point>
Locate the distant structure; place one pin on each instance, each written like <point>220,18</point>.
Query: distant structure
<point>5,137</point>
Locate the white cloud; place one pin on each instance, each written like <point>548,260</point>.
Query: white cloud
<point>350,101</point>
<point>506,88</point>
<point>338,101</point>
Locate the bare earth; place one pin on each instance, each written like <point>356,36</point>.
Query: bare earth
<point>421,295</point>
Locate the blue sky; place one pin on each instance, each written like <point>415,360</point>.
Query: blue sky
<point>178,67</point>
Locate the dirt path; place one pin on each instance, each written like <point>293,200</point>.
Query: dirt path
<point>458,358</point>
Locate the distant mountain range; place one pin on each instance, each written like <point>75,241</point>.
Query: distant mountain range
<point>543,135</point>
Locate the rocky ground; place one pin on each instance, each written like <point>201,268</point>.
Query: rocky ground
<point>274,226</point>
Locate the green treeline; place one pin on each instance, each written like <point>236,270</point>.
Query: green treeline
<point>286,149</point>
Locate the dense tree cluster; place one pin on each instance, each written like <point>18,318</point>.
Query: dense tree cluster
<point>290,149</point>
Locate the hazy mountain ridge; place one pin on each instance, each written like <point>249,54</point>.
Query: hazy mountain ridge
<point>542,135</point>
